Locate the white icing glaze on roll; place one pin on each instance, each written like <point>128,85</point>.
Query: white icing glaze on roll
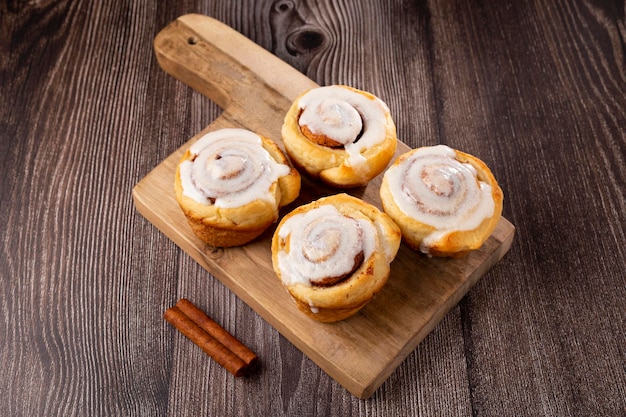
<point>323,243</point>
<point>230,168</point>
<point>434,188</point>
<point>342,114</point>
<point>334,118</point>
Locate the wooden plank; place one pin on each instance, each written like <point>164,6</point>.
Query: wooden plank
<point>255,88</point>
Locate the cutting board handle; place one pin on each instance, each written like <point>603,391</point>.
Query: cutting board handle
<point>222,64</point>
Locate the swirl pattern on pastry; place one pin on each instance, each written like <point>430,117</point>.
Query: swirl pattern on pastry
<point>340,134</point>
<point>334,254</point>
<point>231,183</point>
<point>230,168</point>
<point>445,201</point>
<point>326,246</point>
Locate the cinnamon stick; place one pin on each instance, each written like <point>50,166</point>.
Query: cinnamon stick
<point>218,332</point>
<point>206,342</point>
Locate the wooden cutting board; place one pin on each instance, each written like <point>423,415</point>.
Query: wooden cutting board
<point>255,89</point>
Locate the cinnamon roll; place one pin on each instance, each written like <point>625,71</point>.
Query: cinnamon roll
<point>334,254</point>
<point>446,202</point>
<point>231,184</point>
<point>339,134</point>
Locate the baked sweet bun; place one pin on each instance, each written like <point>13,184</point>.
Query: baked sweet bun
<point>341,135</point>
<point>333,255</point>
<point>231,184</point>
<point>445,201</point>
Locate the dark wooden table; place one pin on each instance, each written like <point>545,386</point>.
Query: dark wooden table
<point>536,89</point>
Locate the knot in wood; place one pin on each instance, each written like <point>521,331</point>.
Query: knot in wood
<point>305,40</point>
<point>213,253</point>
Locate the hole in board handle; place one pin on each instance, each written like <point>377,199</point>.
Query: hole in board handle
<point>192,40</point>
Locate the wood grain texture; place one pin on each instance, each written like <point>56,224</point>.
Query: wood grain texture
<point>536,89</point>
<point>256,89</point>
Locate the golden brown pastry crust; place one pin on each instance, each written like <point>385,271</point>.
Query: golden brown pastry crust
<point>454,243</point>
<point>331,164</point>
<point>235,226</point>
<point>341,300</point>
